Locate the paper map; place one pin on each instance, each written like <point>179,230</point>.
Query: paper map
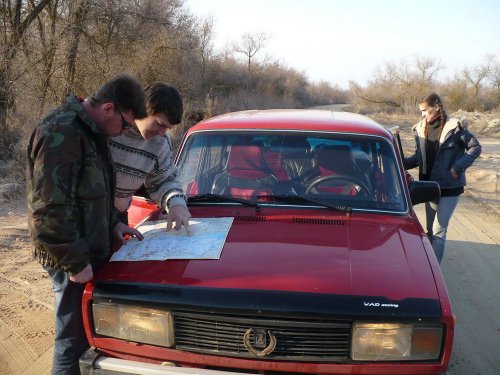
<point>207,241</point>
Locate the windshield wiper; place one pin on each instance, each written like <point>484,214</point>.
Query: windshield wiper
<point>300,198</point>
<point>220,198</point>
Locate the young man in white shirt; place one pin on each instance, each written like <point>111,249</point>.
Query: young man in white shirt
<point>144,155</point>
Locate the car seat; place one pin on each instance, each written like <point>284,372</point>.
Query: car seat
<point>247,175</point>
<point>297,158</point>
<point>289,159</point>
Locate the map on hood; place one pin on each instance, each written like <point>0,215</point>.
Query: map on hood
<point>207,241</point>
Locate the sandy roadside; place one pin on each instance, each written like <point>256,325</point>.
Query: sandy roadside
<point>26,300</point>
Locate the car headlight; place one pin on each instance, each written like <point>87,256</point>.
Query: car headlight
<point>131,323</point>
<point>395,342</point>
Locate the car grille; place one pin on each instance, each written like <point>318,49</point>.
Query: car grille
<point>295,339</point>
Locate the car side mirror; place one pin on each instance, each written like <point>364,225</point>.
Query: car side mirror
<point>423,191</point>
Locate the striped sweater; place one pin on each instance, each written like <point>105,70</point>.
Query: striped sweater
<point>139,161</point>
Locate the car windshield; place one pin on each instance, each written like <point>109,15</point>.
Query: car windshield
<point>356,171</point>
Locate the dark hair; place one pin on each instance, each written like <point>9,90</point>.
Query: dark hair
<point>125,92</point>
<point>164,98</point>
<point>433,99</point>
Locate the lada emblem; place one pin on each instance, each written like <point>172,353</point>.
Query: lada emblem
<point>259,338</point>
<point>259,342</point>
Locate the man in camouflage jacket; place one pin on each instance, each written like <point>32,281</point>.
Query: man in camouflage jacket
<point>71,218</point>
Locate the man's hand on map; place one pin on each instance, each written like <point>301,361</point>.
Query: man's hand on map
<point>180,214</point>
<point>121,230</point>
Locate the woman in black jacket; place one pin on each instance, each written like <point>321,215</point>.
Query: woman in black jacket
<point>444,150</point>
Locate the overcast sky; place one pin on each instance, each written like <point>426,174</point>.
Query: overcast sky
<point>341,40</point>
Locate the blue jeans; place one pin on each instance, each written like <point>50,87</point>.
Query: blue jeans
<point>70,339</point>
<point>438,214</point>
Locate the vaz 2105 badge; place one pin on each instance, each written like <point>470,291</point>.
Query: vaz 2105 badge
<point>259,346</point>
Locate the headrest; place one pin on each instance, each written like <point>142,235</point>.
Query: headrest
<point>336,158</point>
<point>246,160</point>
<point>296,147</point>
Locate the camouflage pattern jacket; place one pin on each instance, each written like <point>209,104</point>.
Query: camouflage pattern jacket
<point>70,178</point>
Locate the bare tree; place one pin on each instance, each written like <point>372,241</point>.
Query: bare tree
<point>495,80</point>
<point>250,45</point>
<point>456,91</point>
<point>48,43</point>
<point>477,75</point>
<point>16,18</point>
<point>401,84</point>
<point>426,69</point>
<point>205,36</point>
<point>77,20</point>
<point>495,76</point>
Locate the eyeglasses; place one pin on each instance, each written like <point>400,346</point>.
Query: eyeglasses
<point>125,124</point>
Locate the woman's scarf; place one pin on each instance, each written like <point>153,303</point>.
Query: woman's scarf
<point>433,118</point>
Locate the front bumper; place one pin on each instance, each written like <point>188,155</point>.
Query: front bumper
<point>93,363</point>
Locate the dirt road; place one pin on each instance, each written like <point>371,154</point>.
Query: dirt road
<point>26,300</point>
<point>471,268</point>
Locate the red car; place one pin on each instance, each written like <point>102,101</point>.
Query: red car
<point>325,268</point>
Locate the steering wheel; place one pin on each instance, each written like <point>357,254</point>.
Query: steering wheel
<point>220,184</point>
<point>352,182</point>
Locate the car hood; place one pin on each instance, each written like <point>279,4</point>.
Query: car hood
<point>349,256</point>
